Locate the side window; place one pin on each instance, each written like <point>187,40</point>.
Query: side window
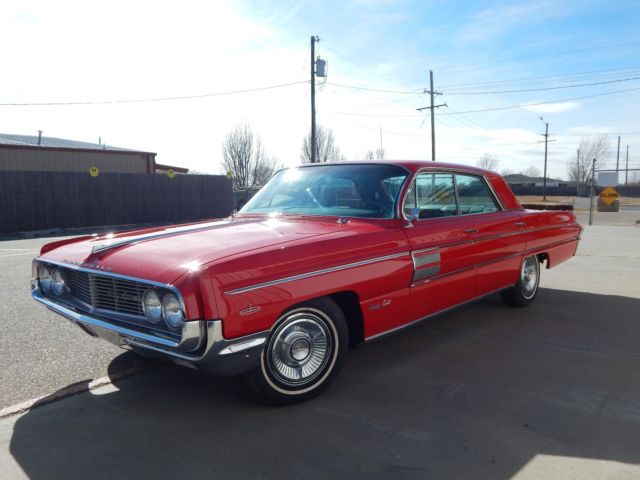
<point>474,196</point>
<point>433,194</point>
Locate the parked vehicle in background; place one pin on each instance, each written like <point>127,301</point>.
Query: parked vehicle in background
<point>323,257</point>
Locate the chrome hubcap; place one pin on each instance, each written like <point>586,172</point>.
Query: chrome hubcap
<point>529,275</point>
<point>299,349</point>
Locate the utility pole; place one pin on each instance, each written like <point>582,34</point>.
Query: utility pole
<point>432,93</point>
<point>546,142</point>
<point>593,177</point>
<point>313,146</point>
<point>626,175</point>
<point>618,156</point>
<point>381,149</point>
<point>433,119</point>
<point>578,177</point>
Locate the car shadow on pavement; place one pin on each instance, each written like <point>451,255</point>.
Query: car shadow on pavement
<point>481,392</point>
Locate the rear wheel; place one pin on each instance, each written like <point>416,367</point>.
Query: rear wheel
<point>523,292</point>
<point>304,352</point>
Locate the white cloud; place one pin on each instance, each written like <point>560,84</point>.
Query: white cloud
<point>590,130</point>
<point>492,22</point>
<point>553,107</point>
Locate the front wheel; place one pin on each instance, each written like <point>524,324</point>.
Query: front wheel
<point>304,352</point>
<point>523,292</point>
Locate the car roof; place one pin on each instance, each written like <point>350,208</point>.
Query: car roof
<point>411,165</point>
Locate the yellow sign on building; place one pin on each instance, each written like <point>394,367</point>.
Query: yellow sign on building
<point>609,195</point>
<point>94,171</point>
<point>171,173</point>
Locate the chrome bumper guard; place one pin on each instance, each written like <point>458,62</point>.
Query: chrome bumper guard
<point>202,344</point>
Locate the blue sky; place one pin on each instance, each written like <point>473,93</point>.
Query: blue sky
<point>74,51</point>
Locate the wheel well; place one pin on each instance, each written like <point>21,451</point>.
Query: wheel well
<point>350,306</point>
<point>544,257</point>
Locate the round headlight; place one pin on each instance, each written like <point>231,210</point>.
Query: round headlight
<point>44,278</point>
<point>57,280</point>
<point>151,306</point>
<point>172,310</point>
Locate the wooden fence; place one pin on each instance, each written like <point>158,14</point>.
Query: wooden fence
<point>48,200</point>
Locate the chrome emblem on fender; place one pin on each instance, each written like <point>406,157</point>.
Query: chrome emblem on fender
<point>250,310</point>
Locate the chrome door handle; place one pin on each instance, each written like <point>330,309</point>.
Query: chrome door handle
<point>470,230</point>
<point>520,224</point>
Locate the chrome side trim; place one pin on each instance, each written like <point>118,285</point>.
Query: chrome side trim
<point>439,312</point>
<point>422,260</point>
<point>166,233</point>
<point>241,346</point>
<point>425,263</point>
<point>494,260</point>
<point>493,237</point>
<point>425,272</point>
<point>379,259</point>
<point>315,273</point>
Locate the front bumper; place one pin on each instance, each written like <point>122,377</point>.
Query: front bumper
<point>202,345</point>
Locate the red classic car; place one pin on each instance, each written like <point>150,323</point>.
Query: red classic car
<point>323,257</point>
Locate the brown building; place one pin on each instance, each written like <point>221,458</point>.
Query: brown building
<point>47,154</point>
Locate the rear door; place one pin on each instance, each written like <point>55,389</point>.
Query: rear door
<point>498,233</point>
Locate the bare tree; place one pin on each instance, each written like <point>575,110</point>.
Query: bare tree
<point>507,171</point>
<point>579,169</point>
<point>531,172</point>
<point>264,170</point>
<point>244,158</point>
<point>488,162</point>
<point>328,151</point>
<point>378,154</point>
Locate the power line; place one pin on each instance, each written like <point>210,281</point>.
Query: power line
<point>508,107</point>
<point>553,54</point>
<point>607,72</point>
<point>541,103</point>
<point>545,88</point>
<point>408,92</point>
<point>157,99</point>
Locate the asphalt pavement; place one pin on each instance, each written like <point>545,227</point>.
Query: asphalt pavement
<point>485,391</point>
<point>41,352</point>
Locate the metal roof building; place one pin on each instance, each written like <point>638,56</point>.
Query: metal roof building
<point>48,154</point>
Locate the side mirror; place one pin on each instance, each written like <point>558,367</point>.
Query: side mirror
<point>413,218</point>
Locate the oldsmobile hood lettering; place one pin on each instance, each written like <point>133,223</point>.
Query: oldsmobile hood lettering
<point>92,266</point>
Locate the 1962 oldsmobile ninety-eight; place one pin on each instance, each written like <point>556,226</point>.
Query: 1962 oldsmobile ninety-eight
<point>323,257</point>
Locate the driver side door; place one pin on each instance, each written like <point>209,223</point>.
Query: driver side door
<point>442,245</point>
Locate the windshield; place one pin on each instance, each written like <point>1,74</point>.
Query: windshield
<point>365,190</point>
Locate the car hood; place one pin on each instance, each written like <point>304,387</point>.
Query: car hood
<point>165,254</point>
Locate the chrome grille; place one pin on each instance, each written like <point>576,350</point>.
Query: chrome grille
<point>106,292</point>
